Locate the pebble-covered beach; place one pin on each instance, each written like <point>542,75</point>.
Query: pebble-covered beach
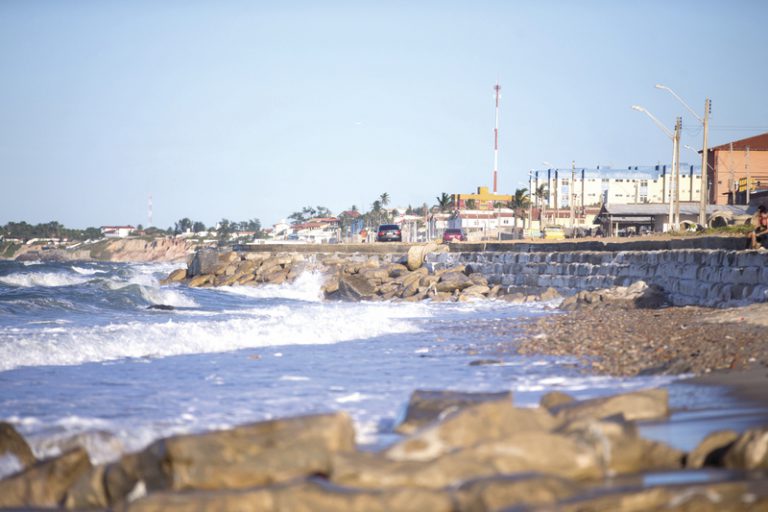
<point>623,341</point>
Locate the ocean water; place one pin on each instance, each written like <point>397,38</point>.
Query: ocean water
<point>83,357</point>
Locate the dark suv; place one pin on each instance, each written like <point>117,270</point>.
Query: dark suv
<point>453,235</point>
<point>389,233</point>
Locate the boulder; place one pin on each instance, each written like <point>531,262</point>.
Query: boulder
<point>228,258</point>
<point>483,422</point>
<point>451,281</point>
<point>417,253</point>
<point>649,404</point>
<point>246,267</point>
<point>89,491</point>
<point>710,451</point>
<point>426,406</point>
<point>45,483</point>
<point>396,270</point>
<point>749,451</point>
<point>276,276</point>
<point>12,443</point>
<point>555,399</point>
<point>506,491</point>
<point>375,275</point>
<point>620,449</point>
<point>549,294</point>
<point>638,295</point>
<point>476,289</point>
<point>256,454</point>
<point>176,276</point>
<point>331,284</point>
<point>523,452</point>
<point>355,287</point>
<point>309,496</point>
<point>478,279</point>
<point>691,497</point>
<point>204,261</point>
<point>200,280</point>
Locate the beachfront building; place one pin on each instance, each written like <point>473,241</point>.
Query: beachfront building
<point>320,230</point>
<point>573,197</point>
<point>116,231</point>
<point>639,219</point>
<point>737,169</point>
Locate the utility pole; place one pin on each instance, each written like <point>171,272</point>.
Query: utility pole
<point>704,199</point>
<point>572,195</point>
<point>734,185</point>
<point>496,88</point>
<point>678,129</point>
<point>530,204</point>
<point>746,171</point>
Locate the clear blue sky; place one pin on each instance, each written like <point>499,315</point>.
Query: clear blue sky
<point>243,109</point>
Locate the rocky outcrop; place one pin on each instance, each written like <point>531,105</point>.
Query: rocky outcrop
<point>44,484</point>
<point>466,453</point>
<point>638,295</point>
<point>138,250</point>
<point>13,445</point>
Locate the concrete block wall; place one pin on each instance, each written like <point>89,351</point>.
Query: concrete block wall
<point>703,277</point>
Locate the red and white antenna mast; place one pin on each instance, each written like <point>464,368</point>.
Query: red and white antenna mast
<point>149,211</point>
<point>496,88</point>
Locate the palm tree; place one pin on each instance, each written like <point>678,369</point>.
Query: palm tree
<point>384,199</point>
<point>443,201</point>
<point>519,203</point>
<point>542,192</point>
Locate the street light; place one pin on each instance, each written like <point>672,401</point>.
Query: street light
<point>674,199</point>
<point>704,199</point>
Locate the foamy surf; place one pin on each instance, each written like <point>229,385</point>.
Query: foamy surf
<point>43,279</point>
<point>275,326</point>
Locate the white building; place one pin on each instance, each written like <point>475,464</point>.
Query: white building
<point>116,231</point>
<point>588,189</point>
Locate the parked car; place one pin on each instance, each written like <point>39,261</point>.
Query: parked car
<point>389,233</point>
<point>453,235</point>
<point>554,233</point>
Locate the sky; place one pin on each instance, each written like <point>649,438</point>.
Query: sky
<point>247,109</point>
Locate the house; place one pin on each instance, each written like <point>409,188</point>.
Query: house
<point>620,219</point>
<point>737,169</point>
<point>321,230</point>
<point>116,231</point>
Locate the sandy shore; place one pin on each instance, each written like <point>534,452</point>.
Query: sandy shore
<point>620,341</point>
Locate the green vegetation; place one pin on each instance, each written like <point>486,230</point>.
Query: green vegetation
<point>23,231</point>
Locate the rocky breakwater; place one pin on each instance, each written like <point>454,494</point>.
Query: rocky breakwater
<point>460,452</point>
<point>353,276</point>
<point>703,277</point>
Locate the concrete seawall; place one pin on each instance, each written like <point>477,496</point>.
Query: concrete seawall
<point>708,277</point>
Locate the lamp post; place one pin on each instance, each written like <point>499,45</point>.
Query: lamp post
<point>704,199</point>
<point>674,195</point>
<point>530,204</point>
<point>557,208</point>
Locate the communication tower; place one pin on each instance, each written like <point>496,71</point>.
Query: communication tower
<point>497,89</point>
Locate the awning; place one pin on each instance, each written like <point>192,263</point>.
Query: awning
<point>635,220</point>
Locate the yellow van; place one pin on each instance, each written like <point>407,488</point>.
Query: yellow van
<point>554,233</point>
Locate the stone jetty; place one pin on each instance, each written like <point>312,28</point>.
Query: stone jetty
<point>464,452</point>
<point>708,271</point>
<point>353,276</point>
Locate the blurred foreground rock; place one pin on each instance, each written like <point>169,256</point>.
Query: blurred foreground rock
<point>477,453</point>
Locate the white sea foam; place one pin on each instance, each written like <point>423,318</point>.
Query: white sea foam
<point>88,271</point>
<point>9,464</point>
<point>276,326</point>
<point>43,279</point>
<point>167,296</point>
<point>306,287</point>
